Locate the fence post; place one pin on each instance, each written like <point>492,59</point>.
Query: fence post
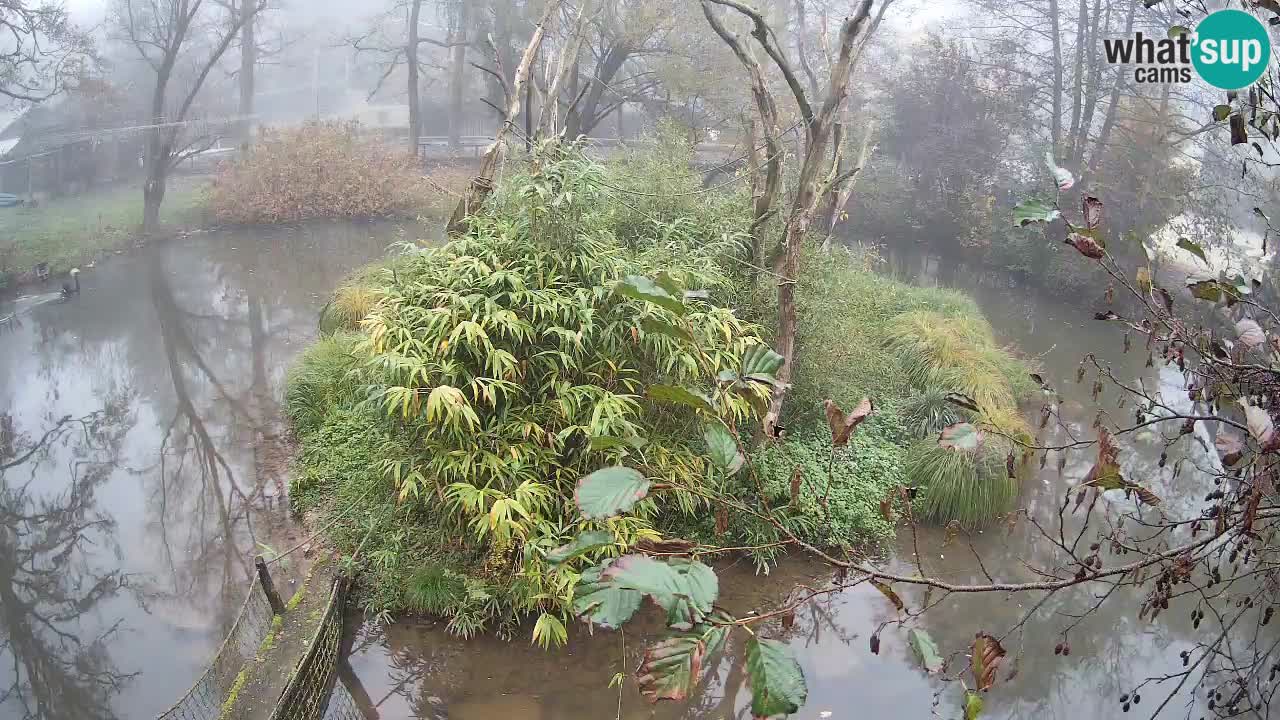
<point>268,587</point>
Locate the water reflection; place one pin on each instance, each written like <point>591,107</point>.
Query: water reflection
<point>125,548</point>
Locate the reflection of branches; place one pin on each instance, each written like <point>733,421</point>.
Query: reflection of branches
<point>46,587</point>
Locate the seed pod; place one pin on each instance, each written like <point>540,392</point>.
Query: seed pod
<point>875,643</point>
<point>1066,649</point>
<point>1137,698</point>
<point>1057,649</point>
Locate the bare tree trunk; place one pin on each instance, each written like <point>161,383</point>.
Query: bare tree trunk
<point>1056,121</point>
<point>1113,105</point>
<point>482,184</point>
<point>248,65</point>
<point>548,118</point>
<point>457,64</point>
<point>842,194</point>
<point>411,63</point>
<point>1077,99</point>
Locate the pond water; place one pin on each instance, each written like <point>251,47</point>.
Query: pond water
<point>418,670</point>
<point>152,401</point>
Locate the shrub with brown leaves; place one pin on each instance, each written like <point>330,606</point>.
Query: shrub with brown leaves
<point>319,170</point>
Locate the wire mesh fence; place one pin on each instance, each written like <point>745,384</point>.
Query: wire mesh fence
<point>205,698</point>
<point>342,705</point>
<point>306,697</point>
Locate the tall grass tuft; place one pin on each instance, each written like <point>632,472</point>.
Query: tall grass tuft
<point>320,379</point>
<point>970,488</point>
<point>926,413</point>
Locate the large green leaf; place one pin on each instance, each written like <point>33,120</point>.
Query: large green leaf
<point>1033,211</point>
<point>925,650</point>
<point>777,682</point>
<point>681,396</point>
<point>655,326</point>
<point>1205,290</point>
<point>609,491</point>
<point>961,436</point>
<point>761,363</point>
<point>584,543</point>
<point>671,668</point>
<point>723,448</point>
<point>1221,112</point>
<point>1193,247</point>
<point>602,601</point>
<point>642,288</point>
<point>685,589</point>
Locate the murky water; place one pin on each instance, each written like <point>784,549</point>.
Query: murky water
<point>141,456</point>
<point>419,671</point>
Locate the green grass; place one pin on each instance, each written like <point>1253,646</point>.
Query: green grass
<point>70,231</point>
<point>969,488</point>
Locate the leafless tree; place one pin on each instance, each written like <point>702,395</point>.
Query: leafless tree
<point>175,37</point>
<point>43,50</point>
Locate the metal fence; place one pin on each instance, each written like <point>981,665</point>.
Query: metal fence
<point>205,698</point>
<point>306,697</point>
<point>342,705</point>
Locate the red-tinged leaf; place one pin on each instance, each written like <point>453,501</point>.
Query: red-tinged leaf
<point>1086,246</point>
<point>961,436</point>
<point>842,426</point>
<point>1250,333</point>
<point>672,668</point>
<point>985,660</point>
<point>1260,424</point>
<point>889,593</point>
<point>1061,175</point>
<point>1092,207</point>
<point>886,509</point>
<point>1230,446</point>
<point>1251,510</point>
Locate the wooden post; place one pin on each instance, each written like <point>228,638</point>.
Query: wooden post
<point>268,587</point>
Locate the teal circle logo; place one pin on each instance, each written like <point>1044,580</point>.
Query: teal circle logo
<point>1231,49</point>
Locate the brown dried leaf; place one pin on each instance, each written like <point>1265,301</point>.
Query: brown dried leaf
<point>796,476</point>
<point>985,660</point>
<point>886,509</point>
<point>1092,208</point>
<point>1086,246</point>
<point>842,426</point>
<point>1230,446</point>
<point>889,593</point>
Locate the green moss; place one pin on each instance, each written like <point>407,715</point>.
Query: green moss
<point>233,694</point>
<point>269,641</point>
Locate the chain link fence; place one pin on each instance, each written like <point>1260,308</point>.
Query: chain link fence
<point>306,697</point>
<point>205,698</point>
<point>342,705</point>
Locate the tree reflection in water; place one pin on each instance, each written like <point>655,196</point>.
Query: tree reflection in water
<point>48,588</point>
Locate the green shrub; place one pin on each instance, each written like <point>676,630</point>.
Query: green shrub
<point>966,487</point>
<point>928,411</point>
<point>320,380</point>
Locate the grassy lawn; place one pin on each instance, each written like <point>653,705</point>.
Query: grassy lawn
<point>69,231</point>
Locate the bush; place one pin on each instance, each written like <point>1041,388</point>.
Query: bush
<point>319,170</point>
<point>501,368</point>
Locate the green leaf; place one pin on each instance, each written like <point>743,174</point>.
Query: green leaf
<point>1194,248</point>
<point>1221,112</point>
<point>601,601</point>
<point>1177,30</point>
<point>723,448</point>
<point>1033,211</point>
<point>665,281</point>
<point>761,360</point>
<point>972,705</point>
<point>728,377</point>
<point>1061,176</point>
<point>658,327</point>
<point>961,436</point>
<point>681,396</point>
<point>671,668</point>
<point>642,288</point>
<point>609,491</point>
<point>607,442</point>
<point>925,650</point>
<point>584,543</point>
<point>1205,290</point>
<point>686,589</point>
<point>777,682</point>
